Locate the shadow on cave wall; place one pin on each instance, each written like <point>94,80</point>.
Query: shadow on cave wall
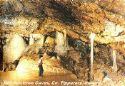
<point>77,59</point>
<point>22,8</point>
<point>103,54</point>
<point>1,58</point>
<point>63,12</point>
<point>80,64</point>
<point>1,53</point>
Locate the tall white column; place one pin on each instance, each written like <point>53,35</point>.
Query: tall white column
<point>114,61</point>
<point>92,36</point>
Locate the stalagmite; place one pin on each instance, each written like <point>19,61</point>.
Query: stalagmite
<point>14,48</point>
<point>114,61</point>
<point>36,38</point>
<point>92,36</point>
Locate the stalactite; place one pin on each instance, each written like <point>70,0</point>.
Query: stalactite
<point>31,39</point>
<point>114,61</point>
<point>92,36</point>
<point>41,40</point>
<point>61,43</point>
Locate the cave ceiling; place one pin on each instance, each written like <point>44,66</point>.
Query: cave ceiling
<point>80,18</point>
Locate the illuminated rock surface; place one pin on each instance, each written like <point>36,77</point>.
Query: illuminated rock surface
<point>14,48</point>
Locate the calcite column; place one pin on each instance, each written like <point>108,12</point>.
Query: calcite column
<point>92,37</point>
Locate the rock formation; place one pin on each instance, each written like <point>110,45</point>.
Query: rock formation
<point>14,48</point>
<point>62,27</point>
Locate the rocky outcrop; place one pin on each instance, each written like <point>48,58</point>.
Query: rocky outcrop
<point>51,65</point>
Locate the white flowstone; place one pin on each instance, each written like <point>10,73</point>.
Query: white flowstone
<point>61,43</point>
<point>53,57</point>
<point>111,29</point>
<point>111,33</point>
<point>120,38</point>
<point>58,58</point>
<point>14,48</point>
<point>36,38</point>
<point>27,66</point>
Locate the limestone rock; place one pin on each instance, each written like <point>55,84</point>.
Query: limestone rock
<point>36,38</point>
<point>111,29</point>
<point>50,41</point>
<point>25,23</point>
<point>116,6</point>
<point>14,48</point>
<point>27,66</point>
<point>31,66</point>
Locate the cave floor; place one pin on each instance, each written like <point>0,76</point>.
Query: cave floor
<point>13,75</point>
<point>14,78</point>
